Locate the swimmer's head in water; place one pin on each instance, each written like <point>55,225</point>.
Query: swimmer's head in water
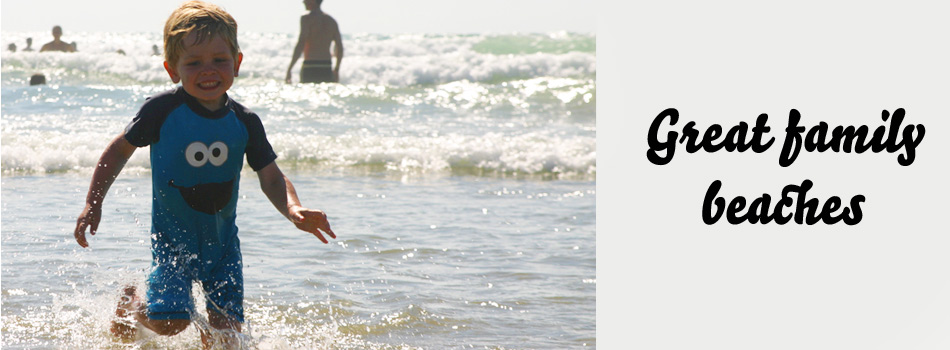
<point>205,20</point>
<point>37,79</point>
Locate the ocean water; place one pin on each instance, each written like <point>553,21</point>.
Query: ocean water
<point>459,172</point>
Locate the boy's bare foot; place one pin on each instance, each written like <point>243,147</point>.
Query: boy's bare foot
<point>123,326</point>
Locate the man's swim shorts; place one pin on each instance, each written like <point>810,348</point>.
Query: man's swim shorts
<point>316,71</point>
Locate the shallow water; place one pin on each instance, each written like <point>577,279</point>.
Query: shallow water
<point>464,201</point>
<point>431,263</point>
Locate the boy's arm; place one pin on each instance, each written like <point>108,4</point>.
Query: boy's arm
<point>280,191</point>
<point>107,169</point>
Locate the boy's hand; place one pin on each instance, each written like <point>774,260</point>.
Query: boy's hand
<point>88,218</point>
<point>312,221</point>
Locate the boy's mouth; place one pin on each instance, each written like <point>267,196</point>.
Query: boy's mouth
<point>209,85</point>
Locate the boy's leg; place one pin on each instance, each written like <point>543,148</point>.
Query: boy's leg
<point>170,305</point>
<point>123,326</point>
<point>224,291</point>
<point>218,339</point>
<point>132,308</point>
<point>162,327</point>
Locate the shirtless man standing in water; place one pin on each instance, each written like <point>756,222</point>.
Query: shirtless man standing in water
<point>317,31</point>
<point>57,44</point>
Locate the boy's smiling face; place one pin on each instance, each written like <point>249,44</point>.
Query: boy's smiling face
<point>206,69</point>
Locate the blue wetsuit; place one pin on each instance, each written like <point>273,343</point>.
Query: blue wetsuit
<point>196,157</point>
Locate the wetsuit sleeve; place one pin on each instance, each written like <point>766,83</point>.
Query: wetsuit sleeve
<point>259,151</point>
<point>145,128</point>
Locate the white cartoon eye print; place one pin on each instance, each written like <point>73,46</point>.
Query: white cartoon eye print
<point>196,154</point>
<point>219,153</point>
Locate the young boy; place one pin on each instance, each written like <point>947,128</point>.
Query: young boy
<point>197,137</point>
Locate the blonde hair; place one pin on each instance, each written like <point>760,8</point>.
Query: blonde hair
<point>205,20</point>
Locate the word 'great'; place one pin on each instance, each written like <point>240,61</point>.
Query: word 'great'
<point>818,138</point>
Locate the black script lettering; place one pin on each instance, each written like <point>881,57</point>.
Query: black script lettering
<point>711,199</point>
<point>804,203</point>
<point>757,131</point>
<point>690,136</point>
<point>785,202</point>
<point>807,211</point>
<point>816,138</point>
<point>857,214</point>
<point>760,206</point>
<point>909,142</point>
<point>736,138</point>
<point>656,145</point>
<point>793,139</point>
<point>735,207</point>
<point>850,138</point>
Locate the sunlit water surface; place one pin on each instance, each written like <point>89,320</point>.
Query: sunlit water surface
<point>458,171</point>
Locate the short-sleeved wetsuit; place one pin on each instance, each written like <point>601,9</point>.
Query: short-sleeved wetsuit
<point>196,157</point>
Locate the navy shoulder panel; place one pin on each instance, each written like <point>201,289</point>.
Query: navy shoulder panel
<point>259,151</point>
<point>144,129</point>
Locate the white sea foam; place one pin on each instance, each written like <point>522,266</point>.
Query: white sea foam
<point>369,59</point>
<point>471,104</point>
